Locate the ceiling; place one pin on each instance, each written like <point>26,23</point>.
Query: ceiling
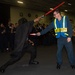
<point>43,5</point>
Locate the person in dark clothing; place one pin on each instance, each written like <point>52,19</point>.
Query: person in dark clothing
<point>63,32</point>
<point>22,44</point>
<point>2,37</point>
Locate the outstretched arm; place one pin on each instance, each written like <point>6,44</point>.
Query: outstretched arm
<point>38,18</point>
<point>44,31</point>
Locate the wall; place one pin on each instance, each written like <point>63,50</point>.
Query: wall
<point>15,13</point>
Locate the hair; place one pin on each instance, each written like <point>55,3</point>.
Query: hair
<point>22,21</point>
<point>57,10</point>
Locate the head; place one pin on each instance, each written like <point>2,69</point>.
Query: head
<point>22,21</point>
<point>56,14</point>
<point>2,25</point>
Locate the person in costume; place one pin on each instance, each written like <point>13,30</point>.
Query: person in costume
<point>22,43</point>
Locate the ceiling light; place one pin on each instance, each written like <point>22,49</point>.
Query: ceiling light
<point>66,10</point>
<point>69,4</point>
<point>20,2</point>
<point>51,8</point>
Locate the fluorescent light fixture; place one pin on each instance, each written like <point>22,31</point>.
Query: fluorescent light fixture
<point>20,2</point>
<point>69,4</point>
<point>51,8</point>
<point>66,10</point>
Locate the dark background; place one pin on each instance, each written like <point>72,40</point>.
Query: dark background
<point>4,13</point>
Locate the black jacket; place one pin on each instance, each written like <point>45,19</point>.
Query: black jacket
<point>21,35</point>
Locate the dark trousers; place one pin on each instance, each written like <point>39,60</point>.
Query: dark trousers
<point>18,55</point>
<point>69,47</point>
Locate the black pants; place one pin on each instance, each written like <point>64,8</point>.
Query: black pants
<point>18,55</point>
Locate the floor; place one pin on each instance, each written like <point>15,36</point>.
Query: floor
<point>46,55</point>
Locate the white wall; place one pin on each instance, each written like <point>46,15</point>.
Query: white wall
<point>15,14</point>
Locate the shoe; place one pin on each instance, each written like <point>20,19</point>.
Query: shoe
<point>73,66</point>
<point>2,70</point>
<point>34,62</point>
<point>58,66</point>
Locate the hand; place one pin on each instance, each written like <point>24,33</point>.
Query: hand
<point>68,39</point>
<point>31,42</point>
<point>38,34</point>
<point>38,19</point>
